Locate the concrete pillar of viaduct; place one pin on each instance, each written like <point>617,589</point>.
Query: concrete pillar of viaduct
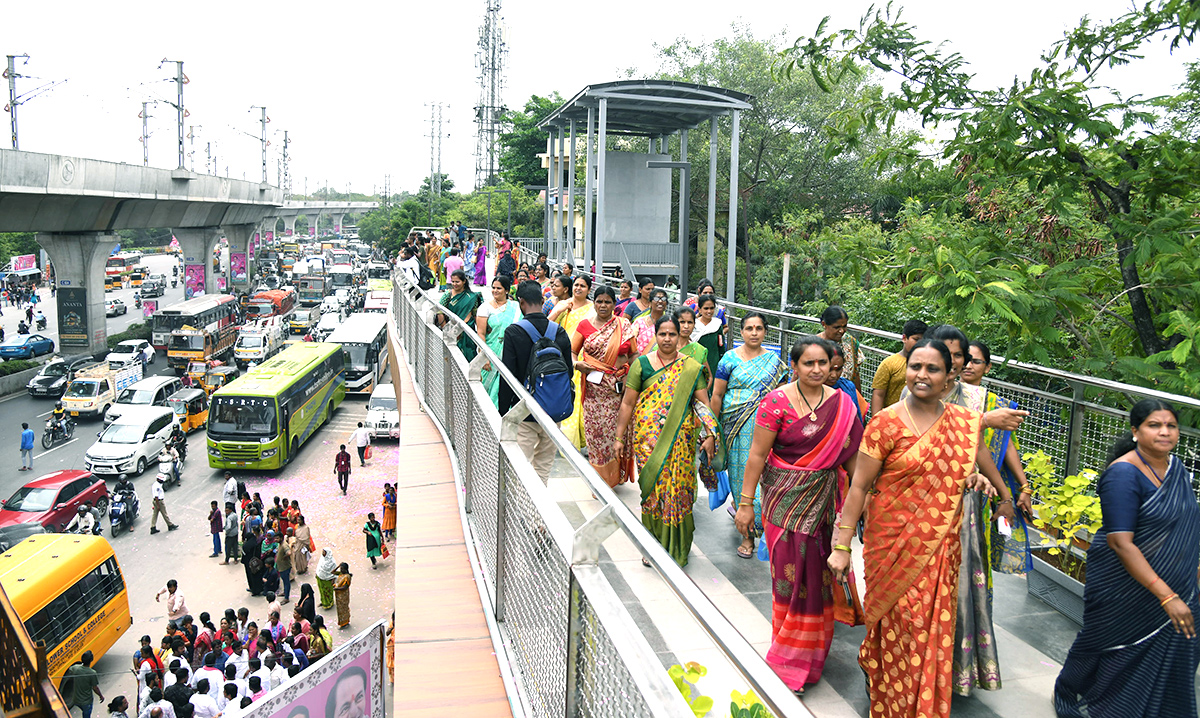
<point>197,244</point>
<point>337,223</point>
<point>314,222</point>
<point>79,260</point>
<point>239,236</point>
<point>289,225</point>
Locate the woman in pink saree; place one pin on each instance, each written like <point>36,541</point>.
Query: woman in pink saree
<point>481,263</point>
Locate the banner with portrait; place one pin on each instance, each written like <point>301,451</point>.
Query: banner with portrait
<point>24,261</point>
<point>347,683</point>
<point>149,307</point>
<point>237,266</point>
<point>193,280</point>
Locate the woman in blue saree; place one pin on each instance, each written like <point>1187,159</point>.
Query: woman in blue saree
<point>744,378</point>
<point>1137,654</point>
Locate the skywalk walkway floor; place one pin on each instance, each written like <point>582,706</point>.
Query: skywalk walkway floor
<point>445,662</point>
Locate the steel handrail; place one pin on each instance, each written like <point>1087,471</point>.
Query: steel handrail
<point>745,659</point>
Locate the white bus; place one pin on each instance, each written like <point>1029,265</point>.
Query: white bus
<point>211,312</point>
<point>364,340</point>
<point>378,302</point>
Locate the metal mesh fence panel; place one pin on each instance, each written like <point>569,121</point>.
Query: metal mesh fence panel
<point>435,391</point>
<point>536,589</point>
<point>460,398</point>
<point>604,687</point>
<point>484,462</point>
<point>1101,427</point>
<point>1048,426</point>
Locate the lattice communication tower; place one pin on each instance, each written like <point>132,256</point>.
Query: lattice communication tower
<point>489,112</point>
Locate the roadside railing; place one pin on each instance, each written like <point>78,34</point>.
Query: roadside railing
<point>1073,418</point>
<point>575,649</point>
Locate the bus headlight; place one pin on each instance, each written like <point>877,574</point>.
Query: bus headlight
<point>214,451</point>
<point>269,453</point>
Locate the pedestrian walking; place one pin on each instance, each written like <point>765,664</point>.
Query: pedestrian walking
<point>374,534</point>
<point>176,605</point>
<point>231,533</point>
<point>159,503</point>
<point>389,511</point>
<point>79,683</point>
<point>341,593</point>
<point>341,464</point>
<point>27,448</point>
<point>325,572</point>
<point>216,526</point>
<point>283,563</point>
<point>362,439</point>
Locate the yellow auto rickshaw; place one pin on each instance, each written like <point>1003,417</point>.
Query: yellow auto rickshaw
<point>191,408</point>
<point>197,369</point>
<point>109,284</point>
<point>219,376</point>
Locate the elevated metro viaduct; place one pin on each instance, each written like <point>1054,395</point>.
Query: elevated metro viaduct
<point>76,206</point>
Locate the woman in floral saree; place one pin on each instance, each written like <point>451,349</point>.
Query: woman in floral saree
<point>916,459</point>
<point>666,401</point>
<point>601,349</point>
<point>643,326</point>
<point>568,314</point>
<point>744,378</point>
<point>806,441</point>
<point>491,320</point>
<point>463,302</point>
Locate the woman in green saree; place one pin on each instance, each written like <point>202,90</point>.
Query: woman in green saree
<point>668,405</point>
<point>491,320</point>
<point>710,331</point>
<point>463,302</point>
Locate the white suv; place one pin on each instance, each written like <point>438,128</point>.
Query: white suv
<point>383,415</point>
<point>132,442</point>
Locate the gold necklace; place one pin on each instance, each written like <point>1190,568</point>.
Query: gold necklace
<point>812,410</point>
<point>913,421</point>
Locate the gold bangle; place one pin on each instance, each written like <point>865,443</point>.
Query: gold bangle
<point>1168,599</point>
<point>840,547</point>
<point>745,503</point>
<point>846,527</point>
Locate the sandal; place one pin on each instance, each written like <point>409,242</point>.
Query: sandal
<point>646,563</point>
<point>748,554</point>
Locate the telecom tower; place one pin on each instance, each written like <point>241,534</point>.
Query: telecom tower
<point>490,58</point>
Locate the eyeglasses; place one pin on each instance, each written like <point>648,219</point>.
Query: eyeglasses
<point>976,362</point>
<point>659,299</point>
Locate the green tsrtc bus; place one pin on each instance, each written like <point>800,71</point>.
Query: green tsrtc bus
<point>259,420</point>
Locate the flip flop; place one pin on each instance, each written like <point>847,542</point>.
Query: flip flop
<point>748,554</point>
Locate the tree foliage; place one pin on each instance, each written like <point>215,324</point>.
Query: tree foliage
<point>521,141</point>
<point>1123,172</point>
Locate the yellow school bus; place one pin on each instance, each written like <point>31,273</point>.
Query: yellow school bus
<point>70,594</point>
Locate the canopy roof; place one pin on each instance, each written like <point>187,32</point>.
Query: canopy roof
<point>649,108</point>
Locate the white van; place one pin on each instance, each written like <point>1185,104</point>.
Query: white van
<point>132,442</point>
<point>383,414</point>
<point>151,391</point>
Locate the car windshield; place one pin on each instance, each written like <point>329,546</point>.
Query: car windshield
<point>246,415</point>
<point>386,403</point>
<point>123,434</point>
<point>301,316</point>
<point>58,368</point>
<point>250,342</point>
<point>128,348</point>
<point>186,342</point>
<point>82,388</point>
<point>136,396</point>
<point>29,498</point>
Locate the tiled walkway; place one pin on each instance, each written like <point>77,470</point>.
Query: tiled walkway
<point>445,663</point>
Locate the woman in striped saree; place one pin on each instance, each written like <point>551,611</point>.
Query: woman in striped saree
<point>806,439</point>
<point>916,458</point>
<point>744,378</point>
<point>1137,654</point>
<point>602,349</point>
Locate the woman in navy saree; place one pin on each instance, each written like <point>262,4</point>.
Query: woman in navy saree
<point>1137,654</point>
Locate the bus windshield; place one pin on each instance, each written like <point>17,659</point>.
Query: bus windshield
<point>243,415</point>
<point>356,355</point>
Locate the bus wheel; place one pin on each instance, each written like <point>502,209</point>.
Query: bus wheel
<point>292,451</point>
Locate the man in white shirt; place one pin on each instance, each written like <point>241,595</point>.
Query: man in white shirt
<point>203,704</point>
<point>159,502</point>
<point>229,495</point>
<point>212,674</point>
<point>239,659</point>
<point>409,265</point>
<point>361,438</point>
<point>263,673</point>
<point>166,709</point>
<point>176,606</point>
<point>231,679</point>
<point>278,674</point>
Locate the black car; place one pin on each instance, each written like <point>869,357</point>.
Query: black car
<point>55,375</point>
<point>154,286</point>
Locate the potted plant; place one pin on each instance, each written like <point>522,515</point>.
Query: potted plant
<point>1067,515</point>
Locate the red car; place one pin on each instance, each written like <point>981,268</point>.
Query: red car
<point>54,499</point>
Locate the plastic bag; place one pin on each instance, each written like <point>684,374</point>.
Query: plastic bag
<point>717,498</point>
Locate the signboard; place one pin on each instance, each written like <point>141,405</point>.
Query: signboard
<point>237,266</point>
<point>149,307</point>
<point>270,235</point>
<point>348,682</point>
<point>221,284</point>
<point>72,317</point>
<point>24,261</point>
<point>193,280</point>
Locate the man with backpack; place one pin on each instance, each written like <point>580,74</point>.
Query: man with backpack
<point>538,352</point>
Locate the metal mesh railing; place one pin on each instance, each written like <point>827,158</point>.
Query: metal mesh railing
<point>575,649</point>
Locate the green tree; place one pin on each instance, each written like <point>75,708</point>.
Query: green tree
<point>1120,161</point>
<point>521,142</point>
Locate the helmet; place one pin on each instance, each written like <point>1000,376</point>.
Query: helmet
<point>58,405</point>
<point>82,509</point>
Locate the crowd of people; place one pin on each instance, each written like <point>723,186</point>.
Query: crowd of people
<point>923,467</point>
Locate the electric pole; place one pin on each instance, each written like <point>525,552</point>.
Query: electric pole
<point>265,144</point>
<point>209,165</point>
<point>180,80</point>
<point>145,138</point>
<point>287,178</point>
<point>14,99</point>
<point>192,145</point>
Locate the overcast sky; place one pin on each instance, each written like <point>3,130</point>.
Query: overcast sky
<point>350,81</point>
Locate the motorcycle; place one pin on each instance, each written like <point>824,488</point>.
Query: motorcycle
<point>167,467</point>
<point>57,431</point>
<point>178,442</point>
<point>41,323</point>
<point>22,327</point>
<point>137,301</point>
<point>123,511</point>
<point>174,282</point>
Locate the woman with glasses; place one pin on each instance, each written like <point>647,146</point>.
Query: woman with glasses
<point>643,326</point>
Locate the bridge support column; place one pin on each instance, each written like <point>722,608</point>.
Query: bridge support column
<point>240,238</point>
<point>197,244</point>
<point>313,221</point>
<point>79,260</point>
<point>268,229</point>
<point>289,225</point>
<point>337,223</point>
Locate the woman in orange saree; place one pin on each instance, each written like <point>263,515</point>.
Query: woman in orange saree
<point>916,457</point>
<point>601,346</point>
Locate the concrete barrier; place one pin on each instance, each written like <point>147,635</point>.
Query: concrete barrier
<point>14,383</point>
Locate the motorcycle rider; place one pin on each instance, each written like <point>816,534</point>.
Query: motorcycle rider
<point>83,523</point>
<point>22,327</point>
<point>126,489</point>
<point>178,441</point>
<point>59,415</point>
<point>39,319</point>
<point>137,299</point>
<point>170,454</point>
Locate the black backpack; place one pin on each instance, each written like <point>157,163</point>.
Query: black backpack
<point>549,377</point>
<point>424,277</point>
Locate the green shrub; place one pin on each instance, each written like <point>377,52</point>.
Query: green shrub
<point>16,365</point>
<point>135,331</point>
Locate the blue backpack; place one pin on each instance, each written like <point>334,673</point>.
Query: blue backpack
<point>549,377</point>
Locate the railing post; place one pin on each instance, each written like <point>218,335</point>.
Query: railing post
<point>574,629</point>
<point>501,499</point>
<point>464,464</point>
<point>448,394</point>
<point>1076,428</point>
